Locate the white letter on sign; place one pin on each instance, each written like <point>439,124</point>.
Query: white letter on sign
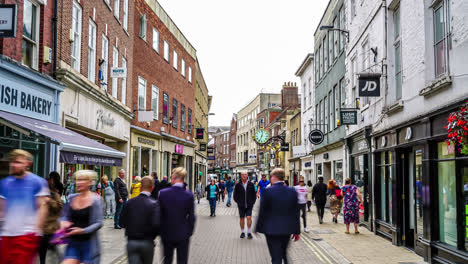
<point>370,86</point>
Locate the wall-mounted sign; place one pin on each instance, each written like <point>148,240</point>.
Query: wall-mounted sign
<point>118,72</point>
<point>299,151</point>
<point>146,141</point>
<point>252,156</point>
<point>348,117</point>
<point>211,158</point>
<point>210,150</point>
<point>145,116</point>
<point>202,147</point>
<point>285,147</point>
<point>308,164</point>
<point>316,137</point>
<point>325,156</point>
<point>179,149</point>
<point>369,85</point>
<point>7,21</point>
<point>200,133</point>
<point>409,133</point>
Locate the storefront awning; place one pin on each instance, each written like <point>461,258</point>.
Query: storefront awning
<point>74,148</point>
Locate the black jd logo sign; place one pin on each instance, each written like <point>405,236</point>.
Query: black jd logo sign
<point>369,85</point>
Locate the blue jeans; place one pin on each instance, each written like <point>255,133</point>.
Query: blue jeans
<point>118,211</point>
<point>229,197</point>
<point>213,205</point>
<point>79,250</point>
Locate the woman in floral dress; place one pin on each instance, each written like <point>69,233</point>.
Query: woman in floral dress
<point>351,205</point>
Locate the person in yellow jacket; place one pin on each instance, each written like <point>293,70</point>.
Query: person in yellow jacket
<point>136,187</point>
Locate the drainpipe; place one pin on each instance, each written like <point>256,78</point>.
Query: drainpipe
<point>384,60</point>
<point>54,33</point>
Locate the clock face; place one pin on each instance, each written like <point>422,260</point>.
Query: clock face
<point>261,136</point>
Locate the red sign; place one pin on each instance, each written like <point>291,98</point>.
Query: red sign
<point>179,149</point>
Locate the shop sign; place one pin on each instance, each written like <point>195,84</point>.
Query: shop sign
<point>285,147</point>
<point>24,100</point>
<point>409,133</point>
<point>362,145</point>
<point>299,151</point>
<point>210,150</point>
<point>308,164</point>
<point>118,72</point>
<point>104,120</point>
<point>252,156</point>
<point>202,147</point>
<point>179,149</point>
<point>79,158</point>
<point>211,158</point>
<point>348,117</point>
<point>146,141</point>
<point>316,137</point>
<point>200,133</point>
<point>369,85</point>
<point>7,21</point>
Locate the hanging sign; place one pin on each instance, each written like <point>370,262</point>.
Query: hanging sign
<point>285,147</point>
<point>369,85</point>
<point>7,21</point>
<point>202,147</point>
<point>348,117</point>
<point>118,72</point>
<point>200,133</point>
<point>316,137</point>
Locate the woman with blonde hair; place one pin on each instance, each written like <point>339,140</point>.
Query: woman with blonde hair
<point>82,218</point>
<point>334,192</point>
<point>136,187</point>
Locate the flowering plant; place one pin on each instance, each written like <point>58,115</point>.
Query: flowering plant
<point>457,127</point>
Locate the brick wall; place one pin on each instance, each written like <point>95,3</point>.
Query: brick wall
<point>107,24</point>
<point>151,66</point>
<point>12,47</point>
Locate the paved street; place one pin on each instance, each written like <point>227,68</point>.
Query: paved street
<point>216,240</point>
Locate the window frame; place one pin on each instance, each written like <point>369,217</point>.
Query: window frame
<point>190,74</point>
<point>182,67</point>
<point>125,15</point>
<point>35,42</point>
<point>444,5</point>
<point>75,60</point>
<point>105,57</point>
<point>175,60</point>
<point>166,50</point>
<point>155,98</point>
<point>155,43</point>
<point>123,96</point>
<point>143,26</point>
<point>182,117</point>
<point>175,113</point>
<point>115,64</point>
<point>165,108</point>
<point>117,9</point>
<point>142,93</point>
<point>92,50</point>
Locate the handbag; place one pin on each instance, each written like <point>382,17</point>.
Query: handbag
<point>338,194</point>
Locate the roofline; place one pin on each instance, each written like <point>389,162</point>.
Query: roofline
<point>258,95</point>
<point>304,64</point>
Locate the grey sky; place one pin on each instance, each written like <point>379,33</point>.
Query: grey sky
<point>245,46</point>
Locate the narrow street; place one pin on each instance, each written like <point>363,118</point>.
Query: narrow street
<point>216,240</point>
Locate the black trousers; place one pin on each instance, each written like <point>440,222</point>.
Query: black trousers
<point>44,246</point>
<point>182,251</point>
<point>140,251</point>
<point>303,211</point>
<point>278,247</point>
<point>320,210</point>
<point>309,203</point>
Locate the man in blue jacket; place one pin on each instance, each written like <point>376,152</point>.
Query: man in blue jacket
<point>177,217</point>
<point>278,218</point>
<point>229,189</point>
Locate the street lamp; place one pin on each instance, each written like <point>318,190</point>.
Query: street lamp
<point>209,114</point>
<point>330,27</point>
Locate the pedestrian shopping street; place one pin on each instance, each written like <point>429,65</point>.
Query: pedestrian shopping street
<point>216,240</point>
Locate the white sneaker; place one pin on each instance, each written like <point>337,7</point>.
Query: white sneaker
<point>306,230</point>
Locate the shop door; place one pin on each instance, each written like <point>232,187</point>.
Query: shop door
<point>408,198</point>
<point>360,178</point>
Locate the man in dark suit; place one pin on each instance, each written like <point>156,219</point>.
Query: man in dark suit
<point>245,197</point>
<point>156,187</point>
<point>141,220</point>
<point>319,194</point>
<point>121,196</point>
<point>278,218</point>
<point>177,217</point>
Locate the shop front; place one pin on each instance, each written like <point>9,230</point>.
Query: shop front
<point>24,93</point>
<point>329,162</point>
<point>307,169</point>
<point>175,153</point>
<point>360,162</point>
<point>145,150</point>
<point>421,189</point>
<point>200,168</point>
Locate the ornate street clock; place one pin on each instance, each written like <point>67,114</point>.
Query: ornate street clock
<point>261,137</point>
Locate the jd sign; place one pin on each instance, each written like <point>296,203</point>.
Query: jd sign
<point>369,85</point>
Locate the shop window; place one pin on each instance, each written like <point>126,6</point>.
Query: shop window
<point>30,44</point>
<point>419,192</point>
<point>175,118</point>
<point>319,169</point>
<point>166,167</point>
<point>145,161</point>
<point>339,172</point>
<point>464,187</point>
<point>136,160</point>
<point>165,108</point>
<point>385,169</point>
<point>447,194</point>
<point>154,161</point>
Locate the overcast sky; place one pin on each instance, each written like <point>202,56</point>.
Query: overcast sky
<point>245,46</point>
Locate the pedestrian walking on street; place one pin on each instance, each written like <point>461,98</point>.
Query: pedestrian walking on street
<point>156,186</point>
<point>199,190</point>
<point>121,196</point>
<point>245,197</point>
<point>319,194</point>
<point>221,188</point>
<point>177,218</point>
<point>229,189</point>
<point>278,218</point>
<point>82,218</point>
<point>51,223</point>
<point>57,183</point>
<point>141,219</point>
<point>136,187</point>
<point>309,195</point>
<point>351,205</point>
<point>164,183</point>
<point>23,208</point>
<point>211,194</point>
<point>109,196</point>
<point>263,183</point>
<point>334,192</point>
<point>301,190</point>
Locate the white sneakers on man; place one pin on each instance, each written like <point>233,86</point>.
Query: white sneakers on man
<point>306,230</point>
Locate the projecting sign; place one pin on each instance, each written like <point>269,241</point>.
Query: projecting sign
<point>285,147</point>
<point>202,147</point>
<point>348,117</point>
<point>369,85</point>
<point>118,72</point>
<point>210,150</point>
<point>200,133</point>
<point>211,158</point>
<point>7,21</point>
<point>316,137</point>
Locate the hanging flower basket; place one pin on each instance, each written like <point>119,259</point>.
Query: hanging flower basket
<point>457,128</point>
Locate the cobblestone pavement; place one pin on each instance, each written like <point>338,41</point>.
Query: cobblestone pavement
<point>216,240</point>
